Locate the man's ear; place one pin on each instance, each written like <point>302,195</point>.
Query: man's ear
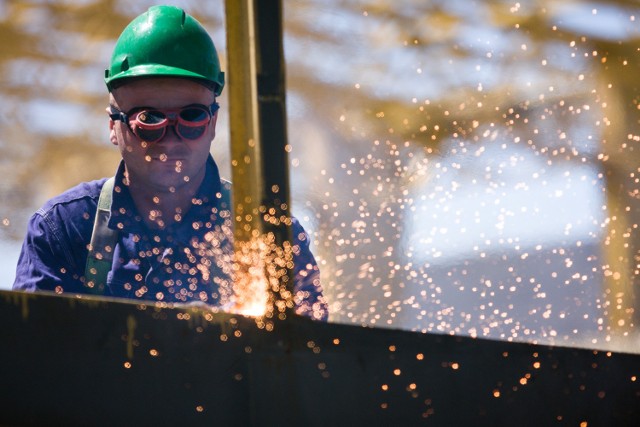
<point>214,121</point>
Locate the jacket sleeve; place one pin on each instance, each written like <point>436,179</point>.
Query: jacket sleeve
<point>308,296</point>
<point>44,262</point>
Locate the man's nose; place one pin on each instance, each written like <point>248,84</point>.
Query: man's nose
<point>170,134</point>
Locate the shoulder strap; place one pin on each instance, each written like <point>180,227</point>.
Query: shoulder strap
<point>103,241</point>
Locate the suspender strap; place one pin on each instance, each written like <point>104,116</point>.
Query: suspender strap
<point>103,241</point>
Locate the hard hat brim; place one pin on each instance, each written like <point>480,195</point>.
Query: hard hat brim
<point>159,70</point>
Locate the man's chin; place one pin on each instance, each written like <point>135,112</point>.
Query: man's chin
<point>162,174</point>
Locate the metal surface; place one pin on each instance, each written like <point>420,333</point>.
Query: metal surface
<point>77,362</point>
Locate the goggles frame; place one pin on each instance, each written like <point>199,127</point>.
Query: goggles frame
<point>170,117</point>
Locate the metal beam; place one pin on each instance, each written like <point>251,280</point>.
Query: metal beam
<point>246,153</point>
<point>259,147</point>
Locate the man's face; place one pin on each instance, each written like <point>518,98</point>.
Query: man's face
<point>173,161</point>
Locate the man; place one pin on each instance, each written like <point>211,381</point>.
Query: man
<point>161,229</point>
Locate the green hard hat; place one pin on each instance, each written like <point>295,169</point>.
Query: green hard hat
<point>165,41</point>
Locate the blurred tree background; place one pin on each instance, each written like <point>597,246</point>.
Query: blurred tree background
<point>464,167</point>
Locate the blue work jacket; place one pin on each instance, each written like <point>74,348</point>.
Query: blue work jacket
<point>188,261</point>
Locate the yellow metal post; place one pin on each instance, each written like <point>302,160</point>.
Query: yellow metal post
<point>243,117</point>
<point>259,154</point>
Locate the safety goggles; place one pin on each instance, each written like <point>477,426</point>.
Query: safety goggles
<point>150,124</point>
